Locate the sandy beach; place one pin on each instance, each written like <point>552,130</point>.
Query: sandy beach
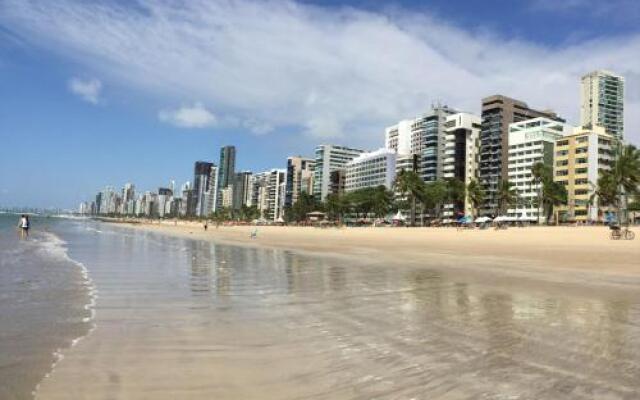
<point>530,250</point>
<point>300,313</point>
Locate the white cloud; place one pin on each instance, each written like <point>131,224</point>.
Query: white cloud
<point>88,89</point>
<point>196,116</point>
<point>334,73</point>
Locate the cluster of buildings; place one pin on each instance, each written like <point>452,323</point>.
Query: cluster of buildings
<point>500,144</point>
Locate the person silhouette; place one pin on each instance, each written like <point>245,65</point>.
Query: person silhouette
<point>23,225</point>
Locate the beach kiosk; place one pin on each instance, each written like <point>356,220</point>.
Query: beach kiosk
<point>316,216</point>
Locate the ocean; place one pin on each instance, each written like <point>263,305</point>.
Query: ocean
<point>45,302</point>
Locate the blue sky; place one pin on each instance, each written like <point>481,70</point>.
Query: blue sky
<point>111,92</point>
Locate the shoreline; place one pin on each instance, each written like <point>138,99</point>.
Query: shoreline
<point>550,253</point>
<point>89,307</point>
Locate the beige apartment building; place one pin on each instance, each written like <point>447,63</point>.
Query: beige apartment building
<point>579,158</point>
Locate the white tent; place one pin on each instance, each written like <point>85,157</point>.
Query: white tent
<point>482,220</point>
<point>399,217</point>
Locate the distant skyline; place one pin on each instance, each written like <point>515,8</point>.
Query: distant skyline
<point>108,92</point>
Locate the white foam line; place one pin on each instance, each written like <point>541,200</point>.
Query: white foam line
<point>57,246</point>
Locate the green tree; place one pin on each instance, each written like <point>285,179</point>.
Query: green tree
<point>455,193</point>
<point>382,201</point>
<point>554,194</point>
<point>305,204</point>
<point>622,179</point>
<point>248,214</point>
<point>336,206</point>
<point>434,195</point>
<point>221,215</point>
<point>409,184</point>
<point>550,193</point>
<point>541,173</point>
<point>475,195</point>
<point>507,195</point>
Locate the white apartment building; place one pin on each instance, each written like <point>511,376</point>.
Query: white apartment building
<point>530,142</point>
<point>460,154</point>
<point>424,136</point>
<point>267,193</point>
<point>328,159</point>
<point>371,170</point>
<point>398,137</point>
<point>227,196</point>
<point>602,102</point>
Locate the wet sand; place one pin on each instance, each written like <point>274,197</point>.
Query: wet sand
<point>527,250</point>
<point>185,315</point>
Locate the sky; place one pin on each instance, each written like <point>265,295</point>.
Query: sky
<point>96,93</point>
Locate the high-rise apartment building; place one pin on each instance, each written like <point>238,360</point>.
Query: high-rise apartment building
<point>241,190</point>
<point>398,137</point>
<point>579,158</point>
<point>267,193</point>
<point>377,168</point>
<point>187,200</point>
<point>423,136</point>
<point>337,182</point>
<point>226,171</point>
<point>329,158</point>
<point>497,113</point>
<point>602,102</point>
<point>227,197</point>
<point>300,171</point>
<point>128,199</point>
<point>165,198</point>
<point>461,150</point>
<point>204,188</point>
<point>530,142</point>
<point>428,140</point>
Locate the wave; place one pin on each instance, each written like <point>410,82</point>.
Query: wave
<point>55,247</point>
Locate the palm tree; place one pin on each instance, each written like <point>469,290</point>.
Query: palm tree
<point>336,205</point>
<point>507,195</point>
<point>475,195</point>
<point>382,201</point>
<point>409,184</point>
<point>624,176</point>
<point>434,196</point>
<point>554,194</point>
<point>455,193</point>
<point>541,174</point>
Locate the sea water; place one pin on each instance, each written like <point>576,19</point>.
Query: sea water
<point>43,304</point>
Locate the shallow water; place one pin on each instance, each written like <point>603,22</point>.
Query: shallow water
<point>179,318</point>
<point>42,298</point>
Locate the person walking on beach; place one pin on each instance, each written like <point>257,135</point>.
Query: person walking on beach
<point>23,225</point>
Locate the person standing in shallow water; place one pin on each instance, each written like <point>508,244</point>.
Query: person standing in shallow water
<point>23,225</point>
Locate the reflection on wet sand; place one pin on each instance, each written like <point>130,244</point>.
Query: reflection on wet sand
<point>274,324</point>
